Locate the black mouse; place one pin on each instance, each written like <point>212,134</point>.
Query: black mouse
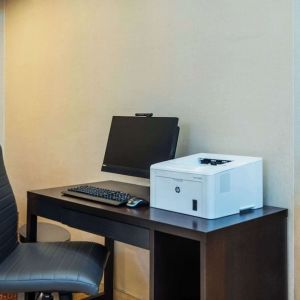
<point>136,202</point>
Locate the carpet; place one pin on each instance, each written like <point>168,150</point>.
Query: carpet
<point>8,296</point>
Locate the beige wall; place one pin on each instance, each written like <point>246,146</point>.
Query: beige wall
<point>297,149</point>
<point>223,67</point>
<point>1,72</point>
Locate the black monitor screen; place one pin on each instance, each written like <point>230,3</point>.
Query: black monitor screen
<point>135,143</point>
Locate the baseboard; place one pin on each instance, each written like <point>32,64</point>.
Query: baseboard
<point>118,295</point>
<point>121,295</point>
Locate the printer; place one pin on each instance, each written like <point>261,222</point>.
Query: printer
<point>207,185</point>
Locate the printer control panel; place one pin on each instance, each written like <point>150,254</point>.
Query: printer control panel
<point>213,162</point>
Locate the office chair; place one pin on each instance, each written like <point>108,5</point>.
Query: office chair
<point>63,267</point>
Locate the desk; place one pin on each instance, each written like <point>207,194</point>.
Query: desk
<point>239,257</point>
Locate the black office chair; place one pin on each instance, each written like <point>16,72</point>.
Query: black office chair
<point>63,267</point>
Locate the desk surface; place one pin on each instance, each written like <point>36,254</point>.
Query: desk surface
<point>149,215</point>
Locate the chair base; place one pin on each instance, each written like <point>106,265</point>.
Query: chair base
<point>49,296</point>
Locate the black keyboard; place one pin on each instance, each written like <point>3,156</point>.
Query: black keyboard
<point>101,195</point>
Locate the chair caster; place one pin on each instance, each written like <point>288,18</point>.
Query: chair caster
<point>46,296</point>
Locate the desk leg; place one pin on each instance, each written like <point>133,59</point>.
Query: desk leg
<point>31,229</point>
<point>246,261</point>
<point>31,236</point>
<point>152,264</point>
<point>109,271</point>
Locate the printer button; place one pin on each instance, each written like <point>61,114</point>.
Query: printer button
<point>195,204</point>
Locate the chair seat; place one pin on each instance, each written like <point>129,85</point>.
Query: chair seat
<point>60,267</point>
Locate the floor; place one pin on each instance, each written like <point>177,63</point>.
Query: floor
<point>8,296</point>
<point>75,297</point>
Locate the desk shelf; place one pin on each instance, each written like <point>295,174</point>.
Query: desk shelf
<point>247,261</point>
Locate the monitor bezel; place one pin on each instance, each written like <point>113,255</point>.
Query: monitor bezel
<point>135,172</point>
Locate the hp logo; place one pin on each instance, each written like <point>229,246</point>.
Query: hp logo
<point>177,189</point>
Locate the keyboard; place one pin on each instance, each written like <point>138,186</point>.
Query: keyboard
<point>96,194</point>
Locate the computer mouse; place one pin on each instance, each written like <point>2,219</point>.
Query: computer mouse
<point>136,202</point>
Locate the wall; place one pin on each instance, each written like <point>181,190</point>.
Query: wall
<point>1,71</point>
<point>297,147</point>
<point>223,67</point>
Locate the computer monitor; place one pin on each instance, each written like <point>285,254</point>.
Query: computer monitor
<point>135,143</point>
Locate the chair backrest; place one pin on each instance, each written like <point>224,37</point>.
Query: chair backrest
<point>8,214</point>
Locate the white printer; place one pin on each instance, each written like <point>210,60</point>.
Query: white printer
<point>207,185</point>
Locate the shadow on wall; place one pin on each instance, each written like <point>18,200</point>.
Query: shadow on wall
<point>184,138</point>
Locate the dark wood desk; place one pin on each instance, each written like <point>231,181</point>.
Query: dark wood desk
<point>239,257</point>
